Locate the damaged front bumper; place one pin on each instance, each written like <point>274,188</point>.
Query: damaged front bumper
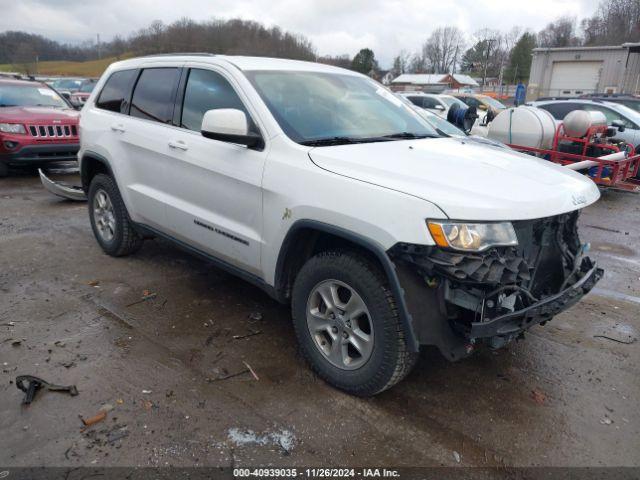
<point>60,189</point>
<point>518,321</point>
<point>458,299</point>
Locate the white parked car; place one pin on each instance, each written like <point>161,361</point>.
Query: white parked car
<point>435,103</point>
<point>323,188</point>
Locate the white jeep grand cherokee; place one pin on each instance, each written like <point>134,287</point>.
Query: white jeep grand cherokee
<point>329,192</point>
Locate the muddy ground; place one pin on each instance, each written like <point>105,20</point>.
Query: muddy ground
<point>565,396</point>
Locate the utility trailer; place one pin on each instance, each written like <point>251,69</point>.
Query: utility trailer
<point>610,163</point>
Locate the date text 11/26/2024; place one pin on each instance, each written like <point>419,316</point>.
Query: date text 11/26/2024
<point>316,473</point>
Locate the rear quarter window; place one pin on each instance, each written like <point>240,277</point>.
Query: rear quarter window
<point>116,92</point>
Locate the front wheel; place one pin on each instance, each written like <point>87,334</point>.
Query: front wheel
<point>4,169</point>
<point>347,324</point>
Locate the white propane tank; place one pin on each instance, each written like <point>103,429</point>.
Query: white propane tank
<point>578,122</point>
<point>526,126</point>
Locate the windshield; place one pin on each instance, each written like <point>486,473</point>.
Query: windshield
<point>66,83</point>
<point>450,100</point>
<point>441,124</point>
<point>315,106</point>
<point>29,96</point>
<point>492,102</point>
<point>630,113</point>
<point>87,87</point>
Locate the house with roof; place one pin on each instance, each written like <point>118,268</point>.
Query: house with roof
<point>432,82</point>
<point>383,76</point>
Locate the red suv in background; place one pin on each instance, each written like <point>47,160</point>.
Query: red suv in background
<point>79,97</point>
<point>37,125</point>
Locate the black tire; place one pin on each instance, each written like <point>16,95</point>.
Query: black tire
<point>4,170</point>
<point>125,239</point>
<point>390,360</point>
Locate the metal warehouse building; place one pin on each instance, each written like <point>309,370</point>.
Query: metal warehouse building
<point>576,70</point>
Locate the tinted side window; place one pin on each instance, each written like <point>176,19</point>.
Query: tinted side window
<point>430,102</point>
<point>117,91</point>
<point>207,90</point>
<point>560,110</point>
<point>472,102</point>
<point>416,100</point>
<point>154,94</point>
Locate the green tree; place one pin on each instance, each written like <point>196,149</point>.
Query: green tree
<point>520,59</point>
<point>364,61</point>
<point>475,57</point>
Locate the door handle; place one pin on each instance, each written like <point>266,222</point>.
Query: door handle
<point>179,145</point>
<point>118,128</point>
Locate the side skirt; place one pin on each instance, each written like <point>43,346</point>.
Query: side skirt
<point>221,264</point>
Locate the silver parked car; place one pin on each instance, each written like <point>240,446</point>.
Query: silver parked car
<point>431,102</point>
<point>615,113</point>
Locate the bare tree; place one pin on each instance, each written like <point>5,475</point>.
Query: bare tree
<point>615,22</point>
<point>25,59</point>
<point>559,33</point>
<point>443,49</point>
<point>343,61</point>
<point>401,63</point>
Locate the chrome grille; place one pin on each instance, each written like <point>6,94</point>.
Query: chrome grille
<point>53,131</point>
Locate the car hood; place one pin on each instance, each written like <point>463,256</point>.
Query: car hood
<point>38,115</point>
<point>468,181</point>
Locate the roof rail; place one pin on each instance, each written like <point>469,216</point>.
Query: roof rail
<point>177,54</point>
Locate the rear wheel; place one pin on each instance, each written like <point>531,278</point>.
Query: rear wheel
<point>109,218</point>
<point>347,324</point>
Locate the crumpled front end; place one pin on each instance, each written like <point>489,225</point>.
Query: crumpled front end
<point>495,295</point>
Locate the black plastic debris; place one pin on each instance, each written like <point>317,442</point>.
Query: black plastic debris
<point>30,386</point>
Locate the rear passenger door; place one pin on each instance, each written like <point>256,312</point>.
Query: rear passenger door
<point>214,187</point>
<point>104,127</point>
<point>144,135</point>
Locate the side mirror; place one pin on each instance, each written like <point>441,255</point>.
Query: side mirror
<point>439,107</point>
<point>619,124</point>
<point>482,107</point>
<point>229,125</point>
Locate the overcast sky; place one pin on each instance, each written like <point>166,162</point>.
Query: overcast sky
<point>334,26</point>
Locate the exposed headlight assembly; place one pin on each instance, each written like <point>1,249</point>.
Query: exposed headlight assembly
<point>12,128</point>
<point>474,237</point>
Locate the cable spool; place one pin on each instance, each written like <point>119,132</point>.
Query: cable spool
<point>461,117</point>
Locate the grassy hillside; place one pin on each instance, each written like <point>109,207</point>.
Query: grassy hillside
<point>93,68</point>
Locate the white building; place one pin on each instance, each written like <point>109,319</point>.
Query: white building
<point>573,71</point>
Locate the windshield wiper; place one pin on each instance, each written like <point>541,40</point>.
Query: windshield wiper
<point>409,135</point>
<point>7,105</point>
<point>328,141</point>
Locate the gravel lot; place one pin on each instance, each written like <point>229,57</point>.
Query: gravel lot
<point>565,396</point>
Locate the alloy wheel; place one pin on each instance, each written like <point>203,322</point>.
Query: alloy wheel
<point>340,324</point>
<point>104,215</point>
